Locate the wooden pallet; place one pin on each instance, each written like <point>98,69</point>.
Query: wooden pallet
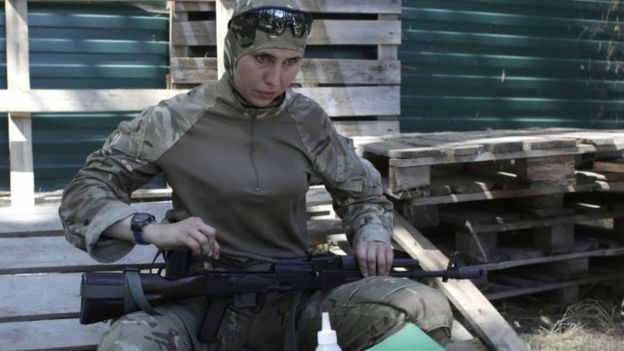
<point>509,200</point>
<point>363,94</point>
<point>408,160</point>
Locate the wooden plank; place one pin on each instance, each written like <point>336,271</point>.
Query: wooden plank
<point>188,6</point>
<point>594,277</point>
<point>45,219</point>
<point>195,33</point>
<point>406,178</point>
<point>339,101</point>
<point>17,58</point>
<point>83,100</point>
<point>388,52</point>
<point>48,335</point>
<point>482,317</point>
<point>616,166</point>
<point>360,6</point>
<point>555,170</point>
<point>55,254</point>
<point>346,32</point>
<point>326,6</point>
<point>22,177</point>
<point>356,101</point>
<point>470,145</point>
<point>176,50</point>
<point>366,128</point>
<point>515,193</point>
<point>466,345</point>
<point>447,157</point>
<point>535,223</point>
<point>324,32</point>
<point>39,296</point>
<point>198,70</point>
<point>225,9</point>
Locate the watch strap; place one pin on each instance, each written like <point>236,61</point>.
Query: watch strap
<point>138,221</point>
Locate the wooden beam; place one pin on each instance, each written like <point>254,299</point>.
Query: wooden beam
<point>359,6</point>
<point>176,50</point>
<point>366,128</point>
<point>325,6</point>
<point>39,296</point>
<point>476,309</point>
<point>388,52</point>
<point>337,101</point>
<point>198,70</point>
<point>324,32</point>
<point>22,177</point>
<point>44,335</point>
<point>225,9</point>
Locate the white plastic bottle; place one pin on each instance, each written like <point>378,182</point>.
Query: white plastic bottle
<point>327,340</point>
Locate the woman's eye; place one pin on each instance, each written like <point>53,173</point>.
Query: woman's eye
<point>262,58</point>
<point>292,61</point>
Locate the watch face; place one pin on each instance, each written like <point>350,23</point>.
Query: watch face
<point>141,217</point>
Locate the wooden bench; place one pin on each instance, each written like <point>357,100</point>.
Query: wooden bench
<point>40,275</point>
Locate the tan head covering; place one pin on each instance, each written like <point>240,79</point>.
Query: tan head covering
<point>236,46</point>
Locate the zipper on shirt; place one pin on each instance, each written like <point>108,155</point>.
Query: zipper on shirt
<point>252,131</point>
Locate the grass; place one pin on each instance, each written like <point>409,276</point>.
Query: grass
<point>596,322</point>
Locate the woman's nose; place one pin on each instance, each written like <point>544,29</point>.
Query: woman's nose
<point>272,75</point>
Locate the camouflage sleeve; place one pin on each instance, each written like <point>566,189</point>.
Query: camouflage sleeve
<point>354,184</point>
<point>99,195</point>
<point>367,215</point>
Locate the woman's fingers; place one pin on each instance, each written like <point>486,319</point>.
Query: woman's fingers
<point>374,258</point>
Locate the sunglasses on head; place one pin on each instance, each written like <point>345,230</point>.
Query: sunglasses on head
<point>272,20</point>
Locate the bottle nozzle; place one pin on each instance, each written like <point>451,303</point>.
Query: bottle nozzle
<point>326,336</point>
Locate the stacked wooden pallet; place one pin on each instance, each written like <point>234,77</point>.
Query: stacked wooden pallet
<point>352,71</point>
<point>539,209</point>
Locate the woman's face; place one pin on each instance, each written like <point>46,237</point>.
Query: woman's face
<point>264,74</point>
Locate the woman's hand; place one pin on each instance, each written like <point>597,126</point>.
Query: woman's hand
<point>190,233</point>
<point>374,258</point>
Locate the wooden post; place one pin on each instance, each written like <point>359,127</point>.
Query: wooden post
<point>225,9</point>
<point>388,52</point>
<point>22,180</point>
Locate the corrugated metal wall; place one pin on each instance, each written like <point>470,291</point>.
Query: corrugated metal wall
<point>85,46</point>
<point>475,64</point>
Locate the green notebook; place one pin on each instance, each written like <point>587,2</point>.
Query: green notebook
<point>408,338</point>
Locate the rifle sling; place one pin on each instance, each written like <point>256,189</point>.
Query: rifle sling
<point>290,337</point>
<point>134,298</point>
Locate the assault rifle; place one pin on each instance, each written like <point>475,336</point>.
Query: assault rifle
<point>111,295</point>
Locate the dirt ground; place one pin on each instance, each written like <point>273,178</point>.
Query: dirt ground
<point>595,322</point>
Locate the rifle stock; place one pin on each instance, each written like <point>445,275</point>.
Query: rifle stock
<point>111,295</point>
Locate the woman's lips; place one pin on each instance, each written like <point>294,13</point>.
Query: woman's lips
<point>266,95</point>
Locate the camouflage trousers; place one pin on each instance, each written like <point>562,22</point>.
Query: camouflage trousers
<point>363,313</point>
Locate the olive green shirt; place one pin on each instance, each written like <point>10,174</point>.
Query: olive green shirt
<point>245,171</point>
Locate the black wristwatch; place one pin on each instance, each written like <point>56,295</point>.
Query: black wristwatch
<point>140,220</point>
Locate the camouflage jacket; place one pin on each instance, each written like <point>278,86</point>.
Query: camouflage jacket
<point>244,171</point>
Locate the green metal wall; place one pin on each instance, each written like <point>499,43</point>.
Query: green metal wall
<point>475,64</point>
<point>84,46</point>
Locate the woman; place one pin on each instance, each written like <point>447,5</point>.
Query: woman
<point>239,155</point>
